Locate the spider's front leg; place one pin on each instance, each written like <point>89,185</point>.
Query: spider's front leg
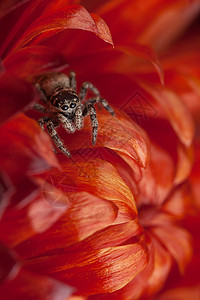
<point>53,133</point>
<point>79,118</point>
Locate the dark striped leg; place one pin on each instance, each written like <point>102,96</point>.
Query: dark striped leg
<point>79,118</point>
<point>106,106</point>
<point>84,88</point>
<point>93,101</point>
<point>41,93</point>
<point>56,139</point>
<point>90,109</point>
<point>40,108</point>
<point>52,132</point>
<point>72,80</point>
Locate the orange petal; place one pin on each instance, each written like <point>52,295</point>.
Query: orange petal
<point>113,235</point>
<point>106,270</point>
<point>135,288</point>
<point>100,179</point>
<point>86,215</point>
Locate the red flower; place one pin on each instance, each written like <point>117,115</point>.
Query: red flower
<point>111,222</point>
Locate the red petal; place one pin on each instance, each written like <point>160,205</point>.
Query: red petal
<point>8,265</point>
<point>160,272</point>
<point>73,17</point>
<point>106,270</point>
<point>27,285</point>
<point>156,184</point>
<point>177,241</point>
<point>25,148</point>
<point>18,225</point>
<point>181,293</point>
<point>103,30</point>
<point>147,53</point>
<point>177,113</point>
<point>10,5</point>
<point>35,60</point>
<point>184,164</point>
<point>180,203</point>
<point>16,94</point>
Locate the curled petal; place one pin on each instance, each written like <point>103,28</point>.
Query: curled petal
<point>106,270</point>
<point>74,17</point>
<point>103,29</point>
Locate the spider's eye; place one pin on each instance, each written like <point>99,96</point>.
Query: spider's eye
<point>65,107</point>
<point>72,105</point>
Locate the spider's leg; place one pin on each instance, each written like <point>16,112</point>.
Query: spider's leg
<point>72,80</point>
<point>89,108</point>
<point>40,108</point>
<point>43,121</point>
<point>84,88</point>
<point>79,118</point>
<point>67,124</point>
<point>41,93</point>
<point>104,103</point>
<point>106,106</point>
<point>56,139</point>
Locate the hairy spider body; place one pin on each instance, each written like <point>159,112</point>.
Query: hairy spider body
<point>64,106</point>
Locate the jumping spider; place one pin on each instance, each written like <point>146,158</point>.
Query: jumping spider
<point>64,106</point>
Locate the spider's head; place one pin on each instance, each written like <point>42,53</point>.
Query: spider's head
<point>65,101</point>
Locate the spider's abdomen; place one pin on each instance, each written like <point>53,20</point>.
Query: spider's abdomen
<point>51,81</point>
